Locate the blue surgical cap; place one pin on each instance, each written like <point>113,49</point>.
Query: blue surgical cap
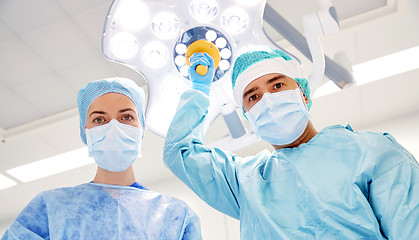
<point>97,88</point>
<point>270,61</point>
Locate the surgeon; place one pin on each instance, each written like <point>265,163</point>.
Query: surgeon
<point>332,184</point>
<point>114,205</point>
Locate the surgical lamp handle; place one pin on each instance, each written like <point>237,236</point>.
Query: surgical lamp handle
<point>317,25</point>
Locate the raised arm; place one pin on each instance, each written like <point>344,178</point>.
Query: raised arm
<point>210,172</point>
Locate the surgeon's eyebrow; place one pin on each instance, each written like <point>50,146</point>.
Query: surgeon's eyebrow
<point>250,91</point>
<point>126,109</point>
<point>97,112</point>
<point>275,78</point>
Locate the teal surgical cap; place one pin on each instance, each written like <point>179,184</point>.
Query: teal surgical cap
<point>256,63</point>
<point>97,88</point>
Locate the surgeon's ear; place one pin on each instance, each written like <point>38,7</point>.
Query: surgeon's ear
<point>304,96</point>
<point>306,99</point>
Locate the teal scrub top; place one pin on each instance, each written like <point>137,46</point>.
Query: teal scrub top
<point>99,211</point>
<point>340,185</point>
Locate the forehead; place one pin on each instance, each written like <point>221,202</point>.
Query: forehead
<point>267,78</point>
<point>112,101</point>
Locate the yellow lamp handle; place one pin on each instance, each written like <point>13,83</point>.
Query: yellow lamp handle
<point>203,46</point>
<point>201,70</point>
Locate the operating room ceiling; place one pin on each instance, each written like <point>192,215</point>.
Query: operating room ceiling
<point>49,49</point>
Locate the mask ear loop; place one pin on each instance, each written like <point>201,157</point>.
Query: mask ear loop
<point>303,96</point>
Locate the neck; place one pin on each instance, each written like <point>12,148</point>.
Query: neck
<point>124,178</point>
<point>307,135</point>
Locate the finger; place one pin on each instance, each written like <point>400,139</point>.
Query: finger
<point>210,59</point>
<point>200,61</point>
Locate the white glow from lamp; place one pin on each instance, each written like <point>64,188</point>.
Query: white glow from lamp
<point>53,165</point>
<point>204,10</point>
<point>132,15</point>
<point>386,66</point>
<point>221,42</point>
<point>165,25</point>
<point>180,48</point>
<point>124,45</point>
<point>6,182</point>
<point>224,65</point>
<point>155,54</point>
<point>211,35</point>
<point>225,53</point>
<point>235,20</point>
<point>180,60</point>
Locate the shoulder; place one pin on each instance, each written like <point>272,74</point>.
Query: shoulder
<point>163,198</point>
<point>345,134</point>
<point>382,149</point>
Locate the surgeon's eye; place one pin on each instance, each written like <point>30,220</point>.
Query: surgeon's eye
<point>278,85</point>
<point>99,120</point>
<point>253,97</point>
<point>127,118</point>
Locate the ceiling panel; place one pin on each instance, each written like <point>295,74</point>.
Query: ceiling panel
<point>16,111</point>
<point>73,7</point>
<point>78,76</point>
<point>91,23</point>
<point>3,87</point>
<point>395,32</point>
<point>391,97</point>
<point>11,158</point>
<point>5,34</point>
<point>61,45</point>
<point>19,64</point>
<point>63,136</point>
<point>346,9</point>
<point>338,108</point>
<point>49,95</point>
<point>16,13</point>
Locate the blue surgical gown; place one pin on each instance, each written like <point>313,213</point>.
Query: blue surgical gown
<point>340,185</point>
<point>99,211</point>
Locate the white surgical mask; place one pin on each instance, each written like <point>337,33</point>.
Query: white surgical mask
<point>279,118</point>
<point>114,146</point>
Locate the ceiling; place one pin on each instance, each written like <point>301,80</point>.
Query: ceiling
<point>50,49</point>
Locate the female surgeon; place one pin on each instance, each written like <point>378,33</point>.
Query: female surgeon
<point>332,184</point>
<point>113,205</point>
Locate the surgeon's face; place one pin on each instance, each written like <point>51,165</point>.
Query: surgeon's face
<point>273,82</point>
<point>112,106</point>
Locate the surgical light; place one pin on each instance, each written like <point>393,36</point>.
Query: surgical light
<point>132,15</point>
<point>165,42</point>
<point>165,25</point>
<point>124,45</point>
<point>225,53</point>
<point>210,35</point>
<point>235,20</point>
<point>180,48</point>
<point>204,10</point>
<point>155,54</point>
<point>221,42</point>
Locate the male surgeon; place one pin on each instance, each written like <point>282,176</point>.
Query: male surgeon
<point>333,184</point>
